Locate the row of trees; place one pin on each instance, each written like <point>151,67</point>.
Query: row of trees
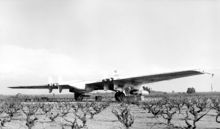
<point>192,110</point>
<point>74,115</point>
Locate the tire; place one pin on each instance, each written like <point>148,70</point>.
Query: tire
<point>98,98</point>
<point>119,96</point>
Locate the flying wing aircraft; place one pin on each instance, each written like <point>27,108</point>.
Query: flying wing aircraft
<point>122,87</point>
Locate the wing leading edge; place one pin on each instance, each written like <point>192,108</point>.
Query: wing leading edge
<point>151,78</point>
<point>159,77</point>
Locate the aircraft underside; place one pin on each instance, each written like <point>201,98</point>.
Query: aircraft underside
<point>119,96</point>
<point>121,91</point>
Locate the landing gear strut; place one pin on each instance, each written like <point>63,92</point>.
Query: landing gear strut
<point>119,96</point>
<point>78,96</point>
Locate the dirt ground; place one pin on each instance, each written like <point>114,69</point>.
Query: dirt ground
<point>107,120</point>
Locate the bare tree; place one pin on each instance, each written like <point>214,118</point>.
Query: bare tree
<point>49,110</point>
<point>10,108</point>
<point>168,111</point>
<point>124,115</point>
<point>197,109</point>
<point>96,108</point>
<point>64,108</point>
<point>178,103</point>
<point>46,107</point>
<point>216,107</point>
<point>78,115</point>
<point>30,110</point>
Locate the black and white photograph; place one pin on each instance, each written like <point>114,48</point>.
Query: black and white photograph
<point>109,64</point>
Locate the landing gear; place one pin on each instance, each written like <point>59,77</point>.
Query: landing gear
<point>119,96</point>
<point>98,98</point>
<point>78,97</point>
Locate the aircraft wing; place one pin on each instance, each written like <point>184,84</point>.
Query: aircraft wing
<point>60,87</point>
<point>158,77</point>
<point>147,78</point>
<point>41,87</point>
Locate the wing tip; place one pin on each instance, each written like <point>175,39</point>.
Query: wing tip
<point>12,87</point>
<point>202,71</point>
<point>199,71</point>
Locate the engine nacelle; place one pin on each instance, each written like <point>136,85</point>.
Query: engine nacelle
<point>60,88</point>
<point>50,88</point>
<point>108,80</point>
<point>108,84</point>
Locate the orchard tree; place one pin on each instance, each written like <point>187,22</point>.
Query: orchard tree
<point>124,115</point>
<point>29,111</point>
<point>191,90</point>
<point>196,110</point>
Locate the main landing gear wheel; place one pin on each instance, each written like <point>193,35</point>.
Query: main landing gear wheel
<point>78,97</point>
<point>119,96</point>
<point>98,98</point>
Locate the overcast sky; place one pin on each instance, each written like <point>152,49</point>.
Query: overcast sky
<point>88,40</point>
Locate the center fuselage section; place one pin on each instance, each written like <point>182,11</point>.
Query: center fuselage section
<point>110,84</point>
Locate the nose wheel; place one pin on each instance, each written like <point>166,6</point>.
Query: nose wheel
<point>119,96</point>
